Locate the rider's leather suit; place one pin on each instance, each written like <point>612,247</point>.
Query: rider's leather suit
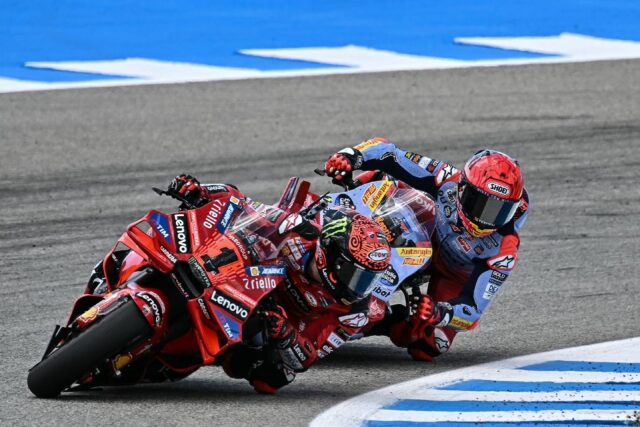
<point>466,272</point>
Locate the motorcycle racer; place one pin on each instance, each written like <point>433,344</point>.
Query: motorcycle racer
<point>332,268</point>
<point>480,210</point>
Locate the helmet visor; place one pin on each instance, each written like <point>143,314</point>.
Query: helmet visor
<point>357,281</point>
<point>486,210</point>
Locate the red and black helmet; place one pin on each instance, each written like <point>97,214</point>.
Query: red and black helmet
<point>489,192</point>
<point>352,254</point>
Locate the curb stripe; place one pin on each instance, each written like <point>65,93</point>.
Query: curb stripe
<point>479,406</point>
<point>547,386</point>
<point>566,365</point>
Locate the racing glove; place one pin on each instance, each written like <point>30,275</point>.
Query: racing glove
<point>278,326</point>
<point>189,188</point>
<point>427,313</point>
<point>341,165</point>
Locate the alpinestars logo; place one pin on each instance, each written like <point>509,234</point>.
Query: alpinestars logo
<point>506,262</point>
<point>181,233</point>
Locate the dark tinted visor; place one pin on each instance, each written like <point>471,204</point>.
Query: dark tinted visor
<point>485,210</point>
<point>357,281</point>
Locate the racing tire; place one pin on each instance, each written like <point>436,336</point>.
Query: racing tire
<point>88,350</point>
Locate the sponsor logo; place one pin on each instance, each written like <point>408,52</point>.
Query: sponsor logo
<point>332,228</point>
<point>266,270</point>
<point>313,302</point>
<point>414,252</point>
<point>447,211</point>
<point>168,254</point>
<point>197,270</point>
<point>356,320</point>
<point>377,198</point>
<point>299,353</point>
<point>213,215</point>
<point>378,254</point>
<point>151,302</point>
<point>290,359</point>
<point>463,243</point>
<point>297,297</point>
<point>216,188</point>
<point>497,188</point>
<point>325,351</point>
<point>498,276</point>
<point>415,158</point>
<point>289,223</point>
<point>345,201</point>
<point>389,156</point>
<point>232,306</point>
<point>226,217</point>
<point>194,228</point>
<point>180,286</point>
<point>161,223</point>
<point>445,173</point>
<point>368,193</point>
<point>459,323</point>
<point>180,224</point>
<point>390,276</point>
<point>239,245</point>
<point>442,341</point>
<point>89,314</point>
<point>505,262</point>
<point>381,292</point>
<point>203,308</point>
<point>334,340</point>
<point>490,291</point>
<point>414,261</point>
<point>368,144</point>
<point>433,164</point>
<point>254,283</point>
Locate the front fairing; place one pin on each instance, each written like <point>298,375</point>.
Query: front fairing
<point>413,214</point>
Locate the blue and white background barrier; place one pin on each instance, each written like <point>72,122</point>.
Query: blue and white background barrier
<point>55,44</point>
<point>596,385</point>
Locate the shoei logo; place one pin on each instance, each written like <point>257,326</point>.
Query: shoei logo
<point>500,189</point>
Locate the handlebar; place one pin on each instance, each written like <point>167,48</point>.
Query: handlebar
<point>346,182</point>
<point>175,195</point>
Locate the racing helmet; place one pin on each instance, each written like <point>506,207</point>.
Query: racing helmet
<point>489,192</point>
<point>352,254</point>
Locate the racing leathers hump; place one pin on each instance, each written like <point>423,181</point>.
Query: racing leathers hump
<point>467,272</point>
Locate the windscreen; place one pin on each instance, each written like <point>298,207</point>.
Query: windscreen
<point>408,217</point>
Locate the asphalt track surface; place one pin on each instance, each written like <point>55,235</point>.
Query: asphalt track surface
<point>77,166</point>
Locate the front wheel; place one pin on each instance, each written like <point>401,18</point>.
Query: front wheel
<point>92,347</point>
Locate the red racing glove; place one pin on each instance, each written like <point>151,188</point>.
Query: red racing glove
<point>341,165</point>
<point>278,326</point>
<point>425,313</point>
<point>188,187</point>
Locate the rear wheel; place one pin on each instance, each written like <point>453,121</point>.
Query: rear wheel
<point>91,348</point>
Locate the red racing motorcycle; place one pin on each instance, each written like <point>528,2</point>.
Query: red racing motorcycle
<point>181,290</point>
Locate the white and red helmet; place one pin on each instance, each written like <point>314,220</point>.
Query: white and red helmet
<point>489,192</point>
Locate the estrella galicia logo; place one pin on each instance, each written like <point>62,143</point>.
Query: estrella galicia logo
<point>226,218</point>
<point>345,201</point>
<point>161,224</point>
<point>181,233</point>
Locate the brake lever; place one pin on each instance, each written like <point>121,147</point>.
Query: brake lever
<point>346,183</point>
<point>174,195</point>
